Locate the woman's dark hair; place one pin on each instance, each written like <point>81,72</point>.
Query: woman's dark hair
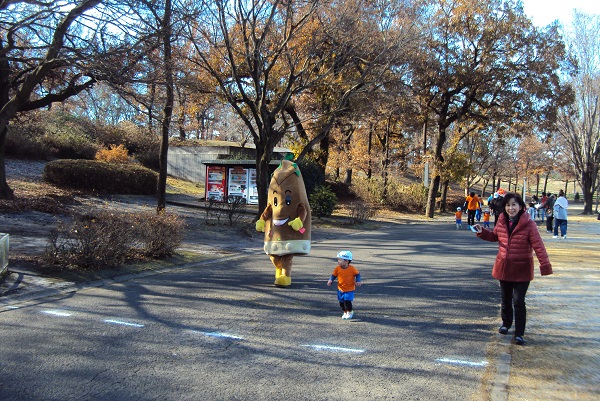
<point>516,197</point>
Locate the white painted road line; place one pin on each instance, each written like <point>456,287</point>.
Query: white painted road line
<point>215,334</point>
<point>123,323</point>
<point>333,348</point>
<point>56,313</point>
<point>462,362</point>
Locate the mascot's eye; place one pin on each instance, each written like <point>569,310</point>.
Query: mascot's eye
<point>288,200</point>
<point>275,201</point>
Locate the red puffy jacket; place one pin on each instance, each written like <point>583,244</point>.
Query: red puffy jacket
<point>514,261</point>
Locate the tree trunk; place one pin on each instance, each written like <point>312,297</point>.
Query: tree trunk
<point>588,182</point>
<point>5,191</point>
<point>369,150</point>
<point>424,137</point>
<point>484,187</point>
<point>433,189</point>
<point>168,110</point>
<point>546,182</point>
<point>437,161</point>
<point>263,175</point>
<point>445,186</point>
<point>348,179</point>
<point>386,161</point>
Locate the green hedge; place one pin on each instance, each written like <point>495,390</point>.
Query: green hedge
<point>101,177</point>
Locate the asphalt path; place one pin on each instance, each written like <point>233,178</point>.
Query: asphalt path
<point>425,318</point>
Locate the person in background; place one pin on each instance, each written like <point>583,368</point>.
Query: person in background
<point>560,215</point>
<point>496,204</point>
<point>541,211</point>
<point>458,218</point>
<point>531,209</point>
<point>486,219</point>
<point>548,208</point>
<point>472,204</point>
<point>517,236</point>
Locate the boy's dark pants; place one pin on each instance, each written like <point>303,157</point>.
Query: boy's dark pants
<point>549,225</point>
<point>346,306</point>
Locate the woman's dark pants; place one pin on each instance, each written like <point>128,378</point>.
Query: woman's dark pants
<point>513,295</point>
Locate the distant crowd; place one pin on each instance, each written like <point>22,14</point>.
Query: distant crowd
<point>550,209</point>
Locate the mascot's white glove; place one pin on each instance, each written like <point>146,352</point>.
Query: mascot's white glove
<point>260,225</point>
<point>296,224</point>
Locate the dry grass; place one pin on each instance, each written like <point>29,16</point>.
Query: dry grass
<point>177,186</point>
<point>37,196</point>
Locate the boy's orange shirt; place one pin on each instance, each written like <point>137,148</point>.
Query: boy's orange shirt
<point>486,216</point>
<point>346,277</point>
<point>458,215</point>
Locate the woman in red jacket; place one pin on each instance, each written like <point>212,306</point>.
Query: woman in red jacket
<point>517,235</point>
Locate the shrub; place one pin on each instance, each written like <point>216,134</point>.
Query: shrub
<point>101,177</point>
<point>369,190</point>
<point>322,201</point>
<point>234,209</point>
<point>48,134</point>
<point>159,234</point>
<point>411,198</point>
<point>64,143</point>
<point>148,156</point>
<point>114,154</point>
<point>143,146</point>
<point>360,212</point>
<point>312,174</point>
<point>109,238</point>
<point>343,191</point>
<point>23,141</point>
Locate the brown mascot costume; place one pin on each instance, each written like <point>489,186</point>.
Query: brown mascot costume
<point>286,221</point>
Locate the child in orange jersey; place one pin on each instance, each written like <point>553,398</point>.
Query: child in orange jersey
<point>458,218</point>
<point>348,279</point>
<point>486,218</point>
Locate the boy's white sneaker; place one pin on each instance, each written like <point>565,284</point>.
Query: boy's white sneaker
<point>564,237</point>
<point>555,236</point>
<point>345,315</point>
<point>350,315</point>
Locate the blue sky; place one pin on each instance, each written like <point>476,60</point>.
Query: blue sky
<point>543,12</point>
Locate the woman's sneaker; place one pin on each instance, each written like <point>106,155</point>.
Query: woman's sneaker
<point>519,340</point>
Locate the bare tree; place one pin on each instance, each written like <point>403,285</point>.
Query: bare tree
<point>50,51</point>
<point>259,55</point>
<point>166,35</point>
<point>484,61</point>
<point>579,124</point>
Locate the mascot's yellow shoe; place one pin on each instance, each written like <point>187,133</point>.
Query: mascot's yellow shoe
<point>283,281</point>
